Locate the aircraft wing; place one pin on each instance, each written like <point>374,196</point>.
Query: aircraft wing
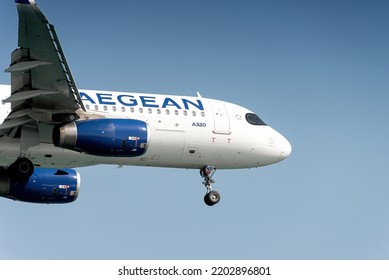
<point>42,86</point>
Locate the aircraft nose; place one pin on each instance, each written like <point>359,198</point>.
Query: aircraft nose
<point>279,146</point>
<point>285,147</point>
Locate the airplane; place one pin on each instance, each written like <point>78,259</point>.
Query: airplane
<point>49,126</point>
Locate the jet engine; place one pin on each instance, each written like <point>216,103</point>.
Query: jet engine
<point>45,185</point>
<point>103,137</point>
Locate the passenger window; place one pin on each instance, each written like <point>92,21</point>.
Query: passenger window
<point>254,119</point>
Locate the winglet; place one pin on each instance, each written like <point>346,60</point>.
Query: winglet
<point>29,2</point>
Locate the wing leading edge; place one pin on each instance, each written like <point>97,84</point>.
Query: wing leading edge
<point>42,86</point>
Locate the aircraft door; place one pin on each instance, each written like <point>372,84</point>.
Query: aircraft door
<point>220,118</point>
<point>170,144</point>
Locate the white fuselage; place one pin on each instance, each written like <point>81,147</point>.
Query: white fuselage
<point>184,132</point>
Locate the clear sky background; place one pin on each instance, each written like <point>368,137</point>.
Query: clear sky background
<point>316,71</point>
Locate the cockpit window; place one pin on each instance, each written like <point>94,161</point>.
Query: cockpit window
<point>254,119</point>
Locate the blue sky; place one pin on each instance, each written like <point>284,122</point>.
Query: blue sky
<point>317,71</point>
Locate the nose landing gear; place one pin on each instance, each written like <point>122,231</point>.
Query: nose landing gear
<point>211,197</point>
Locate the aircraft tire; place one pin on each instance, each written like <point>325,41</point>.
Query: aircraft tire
<point>21,170</point>
<point>212,198</point>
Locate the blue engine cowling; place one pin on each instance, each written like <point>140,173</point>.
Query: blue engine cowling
<point>104,137</point>
<point>46,185</point>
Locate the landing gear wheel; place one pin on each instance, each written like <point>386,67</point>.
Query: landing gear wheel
<point>212,198</point>
<point>21,170</point>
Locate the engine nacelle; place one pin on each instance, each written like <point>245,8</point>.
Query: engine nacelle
<point>104,137</point>
<point>46,185</point>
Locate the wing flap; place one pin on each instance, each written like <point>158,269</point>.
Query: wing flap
<point>8,124</point>
<point>24,95</point>
<point>25,65</point>
<point>19,113</point>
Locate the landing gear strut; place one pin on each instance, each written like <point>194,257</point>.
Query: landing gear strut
<point>21,169</point>
<point>211,197</point>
